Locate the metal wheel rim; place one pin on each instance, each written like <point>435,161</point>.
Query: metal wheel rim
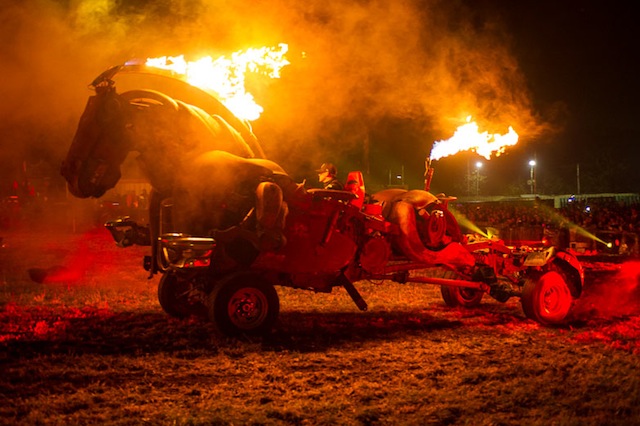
<point>554,296</point>
<point>248,308</point>
<point>468,294</point>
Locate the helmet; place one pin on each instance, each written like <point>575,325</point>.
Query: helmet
<point>328,167</point>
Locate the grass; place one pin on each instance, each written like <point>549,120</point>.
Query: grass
<point>98,349</point>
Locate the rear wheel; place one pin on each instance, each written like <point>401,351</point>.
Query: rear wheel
<point>547,299</point>
<point>244,303</point>
<point>460,296</point>
<point>180,297</point>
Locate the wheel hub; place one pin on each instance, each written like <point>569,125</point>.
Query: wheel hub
<point>247,307</point>
<point>554,297</point>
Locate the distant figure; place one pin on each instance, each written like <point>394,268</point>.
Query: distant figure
<point>327,177</point>
<point>143,199</point>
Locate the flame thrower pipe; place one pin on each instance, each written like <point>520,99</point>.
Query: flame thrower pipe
<point>428,174</point>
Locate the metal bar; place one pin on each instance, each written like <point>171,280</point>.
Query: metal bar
<point>478,285</point>
<point>353,292</point>
<point>408,266</point>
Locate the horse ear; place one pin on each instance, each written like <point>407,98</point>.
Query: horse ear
<point>110,109</point>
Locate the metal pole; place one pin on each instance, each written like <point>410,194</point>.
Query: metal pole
<point>478,167</point>
<point>468,178</point>
<point>533,182</point>
<point>532,177</point>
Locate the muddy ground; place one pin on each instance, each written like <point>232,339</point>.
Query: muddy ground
<point>95,347</point>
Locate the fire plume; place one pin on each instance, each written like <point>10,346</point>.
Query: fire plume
<point>469,138</point>
<point>225,76</point>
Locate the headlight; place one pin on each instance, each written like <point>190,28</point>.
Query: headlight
<point>183,251</point>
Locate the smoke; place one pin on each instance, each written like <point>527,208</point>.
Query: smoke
<point>427,63</point>
<point>611,296</point>
<point>354,64</point>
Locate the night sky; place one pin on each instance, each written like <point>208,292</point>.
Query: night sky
<point>390,78</point>
<point>579,60</point>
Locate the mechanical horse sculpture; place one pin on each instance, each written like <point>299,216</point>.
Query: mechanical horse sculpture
<point>226,224</point>
<point>196,158</point>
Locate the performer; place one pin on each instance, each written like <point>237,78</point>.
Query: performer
<point>327,175</point>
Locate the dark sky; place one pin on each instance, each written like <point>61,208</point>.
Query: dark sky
<point>393,76</point>
<point>580,61</point>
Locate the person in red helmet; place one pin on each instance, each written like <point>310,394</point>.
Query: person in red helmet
<point>327,176</point>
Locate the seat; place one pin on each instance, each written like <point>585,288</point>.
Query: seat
<point>355,185</point>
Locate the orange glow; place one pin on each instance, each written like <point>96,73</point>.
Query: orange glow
<point>225,76</point>
<point>469,138</point>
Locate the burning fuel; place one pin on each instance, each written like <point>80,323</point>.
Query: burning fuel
<point>225,76</point>
<point>469,138</point>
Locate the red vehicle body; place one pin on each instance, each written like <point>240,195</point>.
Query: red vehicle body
<point>227,225</point>
<point>333,239</point>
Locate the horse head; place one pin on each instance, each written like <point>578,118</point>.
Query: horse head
<point>167,132</point>
<point>99,147</point>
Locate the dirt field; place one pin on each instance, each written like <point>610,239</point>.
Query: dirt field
<point>95,347</point>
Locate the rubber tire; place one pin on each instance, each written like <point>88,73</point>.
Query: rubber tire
<point>244,290</point>
<point>168,296</point>
<point>461,297</point>
<point>547,299</point>
<point>458,296</point>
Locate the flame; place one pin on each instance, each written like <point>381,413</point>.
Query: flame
<point>468,138</point>
<point>225,76</point>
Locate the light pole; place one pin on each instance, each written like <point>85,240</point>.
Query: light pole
<point>532,179</point>
<point>478,167</point>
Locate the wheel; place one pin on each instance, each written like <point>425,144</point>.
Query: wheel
<point>244,303</point>
<point>460,296</point>
<point>548,299</point>
<point>181,298</point>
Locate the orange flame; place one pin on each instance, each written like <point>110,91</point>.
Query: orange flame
<point>468,138</point>
<point>225,76</point>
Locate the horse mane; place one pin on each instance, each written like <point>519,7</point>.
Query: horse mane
<point>157,113</point>
<point>169,134</point>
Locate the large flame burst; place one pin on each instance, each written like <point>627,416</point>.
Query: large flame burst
<point>468,138</point>
<point>225,76</point>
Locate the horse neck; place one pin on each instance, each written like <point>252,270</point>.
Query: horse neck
<point>170,140</point>
<point>166,155</point>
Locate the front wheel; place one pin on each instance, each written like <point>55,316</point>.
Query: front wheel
<point>180,297</point>
<point>244,303</point>
<point>548,299</point>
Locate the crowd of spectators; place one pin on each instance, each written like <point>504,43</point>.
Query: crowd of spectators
<point>578,217</point>
<point>497,214</point>
<point>24,211</point>
<point>595,215</point>
<point>603,216</point>
<point>582,221</point>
